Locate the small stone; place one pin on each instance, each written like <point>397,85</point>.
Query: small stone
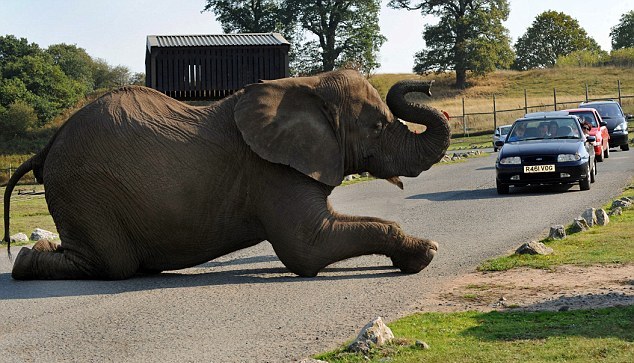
<point>616,211</point>
<point>564,308</point>
<point>590,215</point>
<point>421,344</point>
<point>19,237</point>
<point>579,225</point>
<point>557,232</point>
<point>624,203</point>
<point>39,234</point>
<point>534,248</point>
<point>373,333</point>
<point>602,217</point>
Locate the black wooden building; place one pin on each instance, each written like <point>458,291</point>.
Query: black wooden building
<point>210,67</point>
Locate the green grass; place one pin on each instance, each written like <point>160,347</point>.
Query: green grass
<point>27,211</point>
<point>611,244</point>
<point>605,335</point>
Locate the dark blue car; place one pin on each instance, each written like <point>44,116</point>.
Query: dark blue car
<point>545,150</point>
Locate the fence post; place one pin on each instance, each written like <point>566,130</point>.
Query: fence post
<point>619,87</point>
<point>525,102</point>
<point>555,98</point>
<point>464,119</point>
<point>586,91</point>
<point>10,166</point>
<point>495,115</point>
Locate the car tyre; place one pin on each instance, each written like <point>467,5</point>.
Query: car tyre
<point>593,173</point>
<point>495,149</point>
<point>502,188</point>
<point>625,147</point>
<point>606,152</point>
<point>599,157</point>
<point>584,184</point>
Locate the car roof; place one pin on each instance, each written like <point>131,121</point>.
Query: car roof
<point>598,102</point>
<point>546,114</point>
<point>579,109</point>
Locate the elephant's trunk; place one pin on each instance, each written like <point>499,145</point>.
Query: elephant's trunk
<point>415,153</point>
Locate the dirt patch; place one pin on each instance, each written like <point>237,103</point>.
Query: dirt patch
<point>565,288</point>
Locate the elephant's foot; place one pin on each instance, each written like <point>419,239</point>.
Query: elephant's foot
<point>416,256</point>
<point>45,245</point>
<point>32,264</point>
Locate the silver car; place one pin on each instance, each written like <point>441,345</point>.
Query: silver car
<point>500,134</point>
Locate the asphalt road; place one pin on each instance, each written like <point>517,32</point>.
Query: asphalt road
<point>245,307</point>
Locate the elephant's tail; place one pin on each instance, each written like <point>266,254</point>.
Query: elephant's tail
<point>19,173</point>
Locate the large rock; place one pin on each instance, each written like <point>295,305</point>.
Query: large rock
<point>579,225</point>
<point>616,211</point>
<point>19,237</point>
<point>590,215</point>
<point>602,217</point>
<point>557,232</point>
<point>622,203</point>
<point>39,234</point>
<point>374,333</point>
<point>534,248</point>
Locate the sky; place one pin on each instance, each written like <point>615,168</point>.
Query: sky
<point>116,30</point>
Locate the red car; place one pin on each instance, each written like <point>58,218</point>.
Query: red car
<point>599,130</point>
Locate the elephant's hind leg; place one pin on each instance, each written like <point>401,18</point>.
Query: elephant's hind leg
<point>38,264</point>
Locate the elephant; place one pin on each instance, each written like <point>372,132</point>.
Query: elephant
<point>137,182</point>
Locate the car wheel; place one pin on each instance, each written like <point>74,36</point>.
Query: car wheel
<point>502,188</point>
<point>593,173</point>
<point>495,149</point>
<point>599,157</point>
<point>584,184</point>
<point>606,152</point>
<point>625,147</point>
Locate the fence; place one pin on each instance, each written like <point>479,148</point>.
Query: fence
<point>472,123</point>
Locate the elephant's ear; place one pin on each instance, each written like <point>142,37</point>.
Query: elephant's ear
<point>286,122</point>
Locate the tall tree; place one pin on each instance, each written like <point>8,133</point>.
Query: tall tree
<point>623,33</point>
<point>552,34</point>
<point>324,34</point>
<point>74,62</point>
<point>468,37</point>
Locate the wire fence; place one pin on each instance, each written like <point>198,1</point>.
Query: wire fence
<point>478,123</point>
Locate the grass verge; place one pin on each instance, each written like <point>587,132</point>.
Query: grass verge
<point>28,211</point>
<point>605,335</point>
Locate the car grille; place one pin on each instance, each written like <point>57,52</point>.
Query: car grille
<point>539,159</point>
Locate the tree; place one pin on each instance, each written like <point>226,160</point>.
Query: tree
<point>74,62</point>
<point>552,35</point>
<point>17,118</point>
<point>343,33</point>
<point>468,37</point>
<point>623,33</point>
<point>12,48</point>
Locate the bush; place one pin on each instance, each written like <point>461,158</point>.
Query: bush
<point>582,58</point>
<point>622,57</point>
<point>17,119</point>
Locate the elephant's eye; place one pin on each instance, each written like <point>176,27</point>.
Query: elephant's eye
<point>378,126</point>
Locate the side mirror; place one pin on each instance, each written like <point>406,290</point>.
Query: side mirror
<point>499,143</point>
<point>590,139</point>
<point>603,123</point>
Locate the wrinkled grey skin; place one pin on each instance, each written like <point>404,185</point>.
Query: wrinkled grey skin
<point>139,182</point>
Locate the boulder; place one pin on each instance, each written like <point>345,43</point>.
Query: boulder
<point>579,225</point>
<point>19,237</point>
<point>602,217</point>
<point>39,234</point>
<point>616,211</point>
<point>534,248</point>
<point>374,333</point>
<point>590,215</point>
<point>557,232</point>
<point>622,203</point>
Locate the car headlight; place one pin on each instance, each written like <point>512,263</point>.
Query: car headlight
<point>513,160</point>
<point>621,127</point>
<point>561,158</point>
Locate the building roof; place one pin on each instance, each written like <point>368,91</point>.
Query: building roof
<point>215,40</point>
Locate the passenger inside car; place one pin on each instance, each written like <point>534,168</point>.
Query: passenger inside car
<point>553,129</point>
<point>542,130</point>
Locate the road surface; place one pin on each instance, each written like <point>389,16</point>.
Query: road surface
<point>245,307</point>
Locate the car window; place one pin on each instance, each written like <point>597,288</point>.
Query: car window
<point>505,130</point>
<point>606,110</point>
<point>587,116</point>
<point>527,130</point>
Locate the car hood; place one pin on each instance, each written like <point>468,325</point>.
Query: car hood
<point>613,122</point>
<point>540,147</point>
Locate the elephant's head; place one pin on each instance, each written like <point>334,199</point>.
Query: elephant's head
<point>336,124</point>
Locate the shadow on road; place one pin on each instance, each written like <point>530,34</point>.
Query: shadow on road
<point>491,193</point>
<point>17,290</point>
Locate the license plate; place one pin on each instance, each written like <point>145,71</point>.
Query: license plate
<point>538,168</point>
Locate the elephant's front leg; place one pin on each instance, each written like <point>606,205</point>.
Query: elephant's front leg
<point>334,237</point>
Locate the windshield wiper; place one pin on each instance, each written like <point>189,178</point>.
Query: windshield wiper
<point>566,137</point>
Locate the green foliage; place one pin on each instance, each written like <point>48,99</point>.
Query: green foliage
<point>623,57</point>
<point>246,16</point>
<point>623,33</point>
<point>469,37</point>
<point>552,35</point>
<point>17,118</point>
<point>583,58</point>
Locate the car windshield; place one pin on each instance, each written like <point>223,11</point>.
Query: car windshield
<point>586,116</point>
<point>606,110</point>
<point>525,130</point>
<point>505,130</point>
